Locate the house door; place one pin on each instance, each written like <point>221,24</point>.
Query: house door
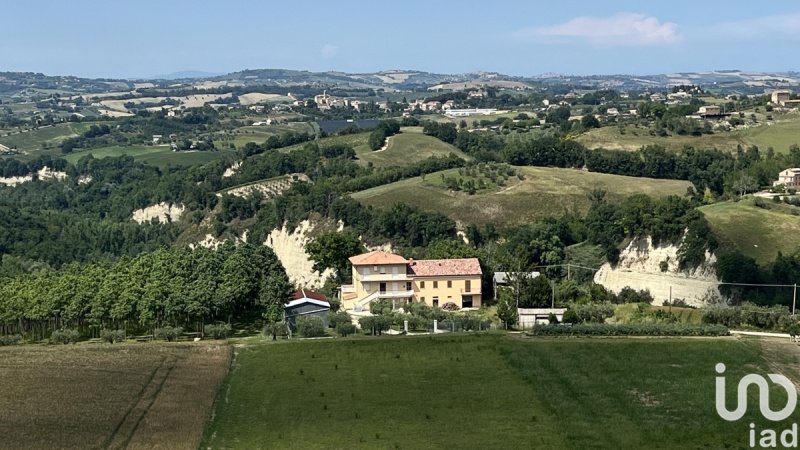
<point>382,288</point>
<point>466,301</point>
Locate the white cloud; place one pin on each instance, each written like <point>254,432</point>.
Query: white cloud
<point>328,51</point>
<point>619,29</point>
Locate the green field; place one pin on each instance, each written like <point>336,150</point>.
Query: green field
<point>259,134</point>
<point>357,140</point>
<point>543,192</point>
<point>779,135</point>
<point>488,391</point>
<point>757,232</point>
<point>33,142</point>
<point>158,155</point>
<point>408,147</point>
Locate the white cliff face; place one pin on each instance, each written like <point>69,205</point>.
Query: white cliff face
<point>163,212</point>
<point>290,248</point>
<point>640,268</point>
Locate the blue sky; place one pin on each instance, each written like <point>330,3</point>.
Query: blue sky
<point>144,38</point>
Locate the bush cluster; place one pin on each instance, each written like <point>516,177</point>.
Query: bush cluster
<point>65,336</point>
<point>169,334</point>
<point>11,339</point>
<point>639,329</point>
<point>310,326</point>
<point>217,331</point>
<point>112,336</point>
<point>748,315</point>
<point>345,329</point>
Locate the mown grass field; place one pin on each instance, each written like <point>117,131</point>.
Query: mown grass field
<point>757,232</point>
<point>543,192</point>
<point>778,135</point>
<point>158,155</point>
<point>487,391</point>
<point>406,148</point>
<point>104,396</point>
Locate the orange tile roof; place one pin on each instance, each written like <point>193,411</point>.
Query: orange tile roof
<point>377,257</point>
<point>443,267</point>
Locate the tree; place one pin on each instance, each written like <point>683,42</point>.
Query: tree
<point>506,308</point>
<point>332,250</point>
<point>536,293</point>
<point>590,121</point>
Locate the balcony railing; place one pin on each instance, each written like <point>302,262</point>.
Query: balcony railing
<point>348,288</point>
<point>395,294</point>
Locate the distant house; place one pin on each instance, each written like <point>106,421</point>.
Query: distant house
<point>435,282</point>
<point>306,303</point>
<point>778,97</point>
<point>789,178</point>
<point>156,139</point>
<point>709,110</point>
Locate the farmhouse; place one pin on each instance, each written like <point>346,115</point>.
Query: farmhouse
<point>789,178</point>
<point>306,303</point>
<point>778,97</point>
<point>435,282</point>
<point>709,110</point>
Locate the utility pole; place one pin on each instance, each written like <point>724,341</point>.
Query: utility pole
<point>794,298</point>
<point>569,271</point>
<point>553,298</point>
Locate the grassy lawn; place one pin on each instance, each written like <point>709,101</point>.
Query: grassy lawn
<point>406,148</point>
<point>483,391</point>
<point>543,192</point>
<point>159,155</point>
<point>757,232</point>
<point>778,135</point>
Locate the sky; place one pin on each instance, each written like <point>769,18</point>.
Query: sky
<point>144,38</point>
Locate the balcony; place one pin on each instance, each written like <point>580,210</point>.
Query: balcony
<point>471,291</point>
<point>395,294</point>
<point>385,277</point>
<point>348,288</point>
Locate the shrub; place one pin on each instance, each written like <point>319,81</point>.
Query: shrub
<point>588,312</point>
<point>11,339</point>
<point>375,324</point>
<point>217,331</point>
<point>169,334</point>
<point>639,329</point>
<point>345,329</point>
<point>65,336</point>
<point>338,318</point>
<point>112,336</point>
<point>310,326</point>
<point>279,328</point>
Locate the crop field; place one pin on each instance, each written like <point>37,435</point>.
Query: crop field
<point>104,396</point>
<point>757,232</point>
<point>406,148</point>
<point>544,192</point>
<point>778,135</point>
<point>158,155</point>
<point>489,391</point>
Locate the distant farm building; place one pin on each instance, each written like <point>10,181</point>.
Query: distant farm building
<point>789,178</point>
<point>308,304</point>
<point>709,110</point>
<point>778,97</point>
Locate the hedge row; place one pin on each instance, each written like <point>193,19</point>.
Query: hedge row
<point>637,329</point>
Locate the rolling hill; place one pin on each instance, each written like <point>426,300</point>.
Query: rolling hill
<point>543,192</point>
